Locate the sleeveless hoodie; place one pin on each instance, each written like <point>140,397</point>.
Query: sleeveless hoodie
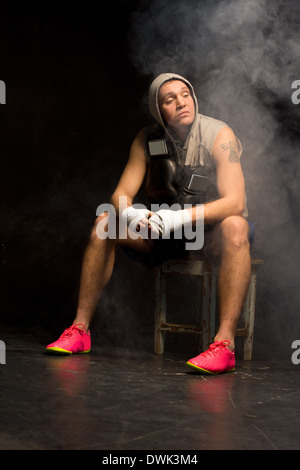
<point>180,173</point>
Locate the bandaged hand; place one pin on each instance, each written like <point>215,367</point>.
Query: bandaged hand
<point>132,217</point>
<point>166,221</point>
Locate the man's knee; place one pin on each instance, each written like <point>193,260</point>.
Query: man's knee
<point>107,229</point>
<point>235,231</point>
<point>100,228</point>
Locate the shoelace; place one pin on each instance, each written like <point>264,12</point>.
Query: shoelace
<point>216,348</point>
<point>71,330</point>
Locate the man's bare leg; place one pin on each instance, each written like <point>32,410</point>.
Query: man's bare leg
<point>230,242</point>
<point>234,276</point>
<point>97,269</point>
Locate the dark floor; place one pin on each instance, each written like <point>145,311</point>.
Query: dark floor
<point>120,399</point>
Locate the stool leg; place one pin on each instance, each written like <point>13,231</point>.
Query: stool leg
<point>160,310</point>
<point>248,316</point>
<point>208,309</point>
<point>198,317</point>
<point>213,302</point>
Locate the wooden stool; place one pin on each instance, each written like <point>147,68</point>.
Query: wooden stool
<point>205,296</point>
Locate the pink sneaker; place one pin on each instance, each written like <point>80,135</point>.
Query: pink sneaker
<point>74,340</point>
<point>216,360</point>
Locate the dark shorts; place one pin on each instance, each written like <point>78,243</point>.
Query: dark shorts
<point>164,249</point>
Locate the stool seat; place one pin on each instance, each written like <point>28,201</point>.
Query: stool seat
<point>206,302</point>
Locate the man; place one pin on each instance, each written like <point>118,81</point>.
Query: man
<point>181,147</point>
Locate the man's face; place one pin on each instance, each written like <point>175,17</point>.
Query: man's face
<point>176,105</point>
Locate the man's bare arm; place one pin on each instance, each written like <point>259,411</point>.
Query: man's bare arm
<point>230,179</point>
<point>134,173</point>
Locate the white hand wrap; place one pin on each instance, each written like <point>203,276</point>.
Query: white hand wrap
<point>133,216</point>
<point>168,221</point>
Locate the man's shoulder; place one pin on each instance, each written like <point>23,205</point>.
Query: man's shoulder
<point>209,129</point>
<point>208,121</point>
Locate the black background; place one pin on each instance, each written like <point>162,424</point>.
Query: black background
<point>75,99</point>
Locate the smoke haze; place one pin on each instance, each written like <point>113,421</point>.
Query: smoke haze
<point>242,58</point>
<point>71,113</point>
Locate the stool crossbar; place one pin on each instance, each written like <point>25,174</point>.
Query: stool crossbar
<point>206,303</point>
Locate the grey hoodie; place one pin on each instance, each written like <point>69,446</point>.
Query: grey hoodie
<point>197,149</point>
<point>198,145</point>
<point>154,89</point>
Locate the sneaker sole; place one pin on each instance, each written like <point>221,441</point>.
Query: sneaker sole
<point>199,369</point>
<point>65,352</point>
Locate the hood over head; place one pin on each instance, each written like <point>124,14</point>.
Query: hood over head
<point>153,94</point>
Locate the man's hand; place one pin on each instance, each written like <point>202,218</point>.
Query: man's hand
<point>136,219</point>
<point>166,221</point>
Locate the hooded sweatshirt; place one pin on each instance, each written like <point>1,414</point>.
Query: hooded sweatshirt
<point>170,173</point>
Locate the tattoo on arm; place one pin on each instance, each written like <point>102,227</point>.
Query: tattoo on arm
<point>232,147</point>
